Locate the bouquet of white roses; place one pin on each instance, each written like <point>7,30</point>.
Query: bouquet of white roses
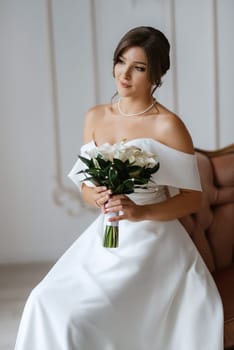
<point>122,169</point>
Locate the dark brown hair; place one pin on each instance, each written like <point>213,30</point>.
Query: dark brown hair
<point>156,47</point>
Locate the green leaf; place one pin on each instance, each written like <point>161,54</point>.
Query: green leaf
<point>119,164</point>
<point>154,169</point>
<point>102,162</point>
<point>85,161</point>
<point>134,168</point>
<point>93,180</point>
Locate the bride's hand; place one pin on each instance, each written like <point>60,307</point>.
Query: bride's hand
<point>128,210</point>
<point>101,195</point>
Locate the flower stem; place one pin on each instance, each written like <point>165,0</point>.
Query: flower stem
<point>111,237</point>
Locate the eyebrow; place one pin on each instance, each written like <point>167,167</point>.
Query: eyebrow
<point>138,62</point>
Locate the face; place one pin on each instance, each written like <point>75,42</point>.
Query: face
<point>131,73</point>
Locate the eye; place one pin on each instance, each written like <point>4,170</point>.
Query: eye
<point>140,69</point>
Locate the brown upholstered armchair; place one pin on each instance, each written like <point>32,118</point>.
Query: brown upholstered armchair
<point>212,227</point>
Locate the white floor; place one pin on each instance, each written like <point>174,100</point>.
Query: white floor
<point>16,282</point>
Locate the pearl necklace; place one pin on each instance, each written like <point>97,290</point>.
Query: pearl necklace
<point>134,114</point>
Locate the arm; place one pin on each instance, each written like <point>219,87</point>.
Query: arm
<point>94,196</point>
<point>186,202</point>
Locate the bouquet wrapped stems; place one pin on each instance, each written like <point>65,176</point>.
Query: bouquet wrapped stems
<point>111,232</point>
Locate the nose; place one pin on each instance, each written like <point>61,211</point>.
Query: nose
<point>126,72</point>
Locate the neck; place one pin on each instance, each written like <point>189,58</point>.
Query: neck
<point>129,107</point>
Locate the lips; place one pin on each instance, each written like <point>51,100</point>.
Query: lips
<point>124,85</point>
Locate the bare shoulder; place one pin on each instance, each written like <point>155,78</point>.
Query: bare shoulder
<point>94,113</point>
<point>173,132</point>
<point>92,118</point>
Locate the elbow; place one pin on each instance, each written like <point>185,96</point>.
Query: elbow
<point>193,201</point>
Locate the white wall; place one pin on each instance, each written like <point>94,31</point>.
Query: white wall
<point>33,227</point>
<point>205,52</point>
<point>56,62</point>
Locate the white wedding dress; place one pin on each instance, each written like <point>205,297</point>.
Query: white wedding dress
<point>153,292</point>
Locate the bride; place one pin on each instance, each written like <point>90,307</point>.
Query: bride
<point>153,291</point>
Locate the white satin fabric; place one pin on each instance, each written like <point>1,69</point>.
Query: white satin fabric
<point>152,292</point>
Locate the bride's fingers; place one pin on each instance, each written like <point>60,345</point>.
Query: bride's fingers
<point>119,203</point>
<point>101,195</point>
<point>116,197</point>
<point>100,201</point>
<point>122,206</point>
<point>125,209</point>
<point>131,212</point>
<point>121,216</point>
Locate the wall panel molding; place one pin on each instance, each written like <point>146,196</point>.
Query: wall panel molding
<point>95,61</point>
<point>216,90</point>
<point>63,195</point>
<point>171,29</point>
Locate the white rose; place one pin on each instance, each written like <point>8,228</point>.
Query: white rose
<point>106,150</point>
<point>92,153</point>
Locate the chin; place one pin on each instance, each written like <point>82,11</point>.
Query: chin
<point>124,93</point>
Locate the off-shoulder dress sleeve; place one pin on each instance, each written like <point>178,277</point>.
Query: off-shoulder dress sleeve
<point>73,175</point>
<point>177,169</point>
